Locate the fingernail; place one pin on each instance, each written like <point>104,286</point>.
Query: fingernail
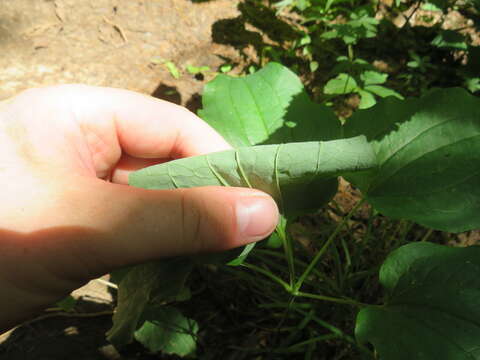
<point>257,217</point>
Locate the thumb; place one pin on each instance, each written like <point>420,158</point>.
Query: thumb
<point>137,225</point>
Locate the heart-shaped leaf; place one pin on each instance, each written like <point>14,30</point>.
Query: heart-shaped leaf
<point>428,152</point>
<point>432,310</point>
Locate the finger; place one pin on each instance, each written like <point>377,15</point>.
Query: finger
<point>145,127</point>
<point>137,225</point>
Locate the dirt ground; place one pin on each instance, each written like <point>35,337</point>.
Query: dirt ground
<point>118,43</point>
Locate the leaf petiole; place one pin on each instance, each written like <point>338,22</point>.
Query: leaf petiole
<point>268,274</point>
<point>336,300</point>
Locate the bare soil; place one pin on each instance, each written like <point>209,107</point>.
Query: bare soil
<point>118,43</point>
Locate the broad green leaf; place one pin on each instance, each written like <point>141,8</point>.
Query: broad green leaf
<point>166,330</point>
<point>473,84</point>
<point>428,152</point>
<point>361,25</point>
<point>382,91</point>
<point>373,77</point>
<point>255,109</point>
<point>341,84</point>
<point>432,309</point>
<point>142,286</point>
<point>291,173</point>
<point>366,99</point>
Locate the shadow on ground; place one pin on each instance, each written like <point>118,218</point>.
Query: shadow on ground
<point>56,336</point>
<point>171,94</point>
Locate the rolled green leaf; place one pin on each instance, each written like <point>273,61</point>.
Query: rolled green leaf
<point>291,173</point>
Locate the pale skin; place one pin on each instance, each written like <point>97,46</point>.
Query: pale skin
<point>67,214</point>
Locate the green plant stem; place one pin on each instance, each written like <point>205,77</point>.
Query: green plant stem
<point>350,52</point>
<point>339,332</point>
<point>407,19</point>
<point>288,248</point>
<point>299,263</point>
<point>324,248</point>
<point>273,277</point>
<point>346,301</point>
<point>427,235</point>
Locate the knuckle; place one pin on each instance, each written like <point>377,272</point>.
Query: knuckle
<point>207,221</point>
<point>192,222</point>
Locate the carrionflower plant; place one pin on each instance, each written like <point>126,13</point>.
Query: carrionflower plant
<point>416,159</point>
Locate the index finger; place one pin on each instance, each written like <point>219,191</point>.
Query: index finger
<point>146,127</point>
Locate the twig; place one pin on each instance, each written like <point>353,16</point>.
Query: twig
<point>118,28</point>
<point>407,21</point>
<point>5,335</point>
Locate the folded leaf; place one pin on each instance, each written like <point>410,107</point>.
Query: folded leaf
<point>291,173</point>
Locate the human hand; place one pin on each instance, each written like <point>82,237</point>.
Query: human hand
<point>67,215</point>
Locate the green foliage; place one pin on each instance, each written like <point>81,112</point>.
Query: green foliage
<point>67,304</point>
<point>428,153</point>
<point>143,287</point>
<point>165,329</point>
<point>415,159</point>
<point>369,81</point>
<point>315,37</point>
<point>172,68</point>
<point>226,68</point>
<point>267,107</point>
<point>289,172</point>
<point>449,39</point>
<point>432,309</point>
<point>342,84</point>
<point>361,25</point>
<point>194,70</point>
<point>272,97</point>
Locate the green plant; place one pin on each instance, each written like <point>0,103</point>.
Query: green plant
<point>367,85</point>
<point>336,45</point>
<point>194,70</point>
<point>172,68</point>
<point>415,159</point>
